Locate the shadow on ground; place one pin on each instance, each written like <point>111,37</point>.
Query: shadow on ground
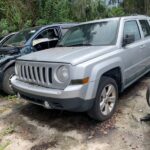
<point>34,122</point>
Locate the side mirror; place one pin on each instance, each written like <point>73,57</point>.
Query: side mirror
<point>128,39</point>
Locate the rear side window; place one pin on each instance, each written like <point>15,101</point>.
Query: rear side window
<point>145,27</point>
<point>131,28</point>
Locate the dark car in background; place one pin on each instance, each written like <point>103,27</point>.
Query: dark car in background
<point>25,42</point>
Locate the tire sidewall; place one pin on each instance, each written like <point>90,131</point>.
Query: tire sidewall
<point>6,83</point>
<point>103,83</point>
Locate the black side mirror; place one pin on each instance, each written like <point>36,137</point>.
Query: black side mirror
<point>128,39</point>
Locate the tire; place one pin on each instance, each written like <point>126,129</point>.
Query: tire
<point>148,95</point>
<point>107,103</point>
<point>6,85</point>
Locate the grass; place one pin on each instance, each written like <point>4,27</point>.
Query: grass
<point>11,97</point>
<point>7,97</point>
<point>2,147</point>
<point>3,109</point>
<point>6,131</point>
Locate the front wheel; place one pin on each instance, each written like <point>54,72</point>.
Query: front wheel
<point>106,100</point>
<point>6,85</point>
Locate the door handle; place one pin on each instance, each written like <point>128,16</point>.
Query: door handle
<point>142,46</point>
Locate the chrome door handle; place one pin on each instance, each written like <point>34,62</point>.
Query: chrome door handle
<point>142,46</point>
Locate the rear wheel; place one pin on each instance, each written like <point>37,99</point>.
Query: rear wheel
<point>106,100</point>
<point>6,85</point>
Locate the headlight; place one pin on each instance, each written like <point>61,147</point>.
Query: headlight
<point>62,74</point>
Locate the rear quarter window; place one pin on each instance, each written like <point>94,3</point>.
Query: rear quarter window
<point>145,27</point>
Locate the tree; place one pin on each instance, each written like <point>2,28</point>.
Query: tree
<point>18,14</point>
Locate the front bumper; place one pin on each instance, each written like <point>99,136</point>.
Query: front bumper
<point>72,98</point>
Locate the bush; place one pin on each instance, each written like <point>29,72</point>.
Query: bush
<point>116,12</point>
<point>18,14</point>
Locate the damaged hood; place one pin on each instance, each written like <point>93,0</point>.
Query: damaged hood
<point>9,50</point>
<point>8,53</point>
<point>72,55</point>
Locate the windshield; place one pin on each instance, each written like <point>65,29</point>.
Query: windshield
<point>21,38</point>
<point>94,34</point>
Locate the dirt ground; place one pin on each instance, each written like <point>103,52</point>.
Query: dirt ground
<point>25,126</point>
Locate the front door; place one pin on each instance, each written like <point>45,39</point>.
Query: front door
<point>132,54</point>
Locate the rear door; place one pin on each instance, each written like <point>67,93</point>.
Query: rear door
<point>145,47</point>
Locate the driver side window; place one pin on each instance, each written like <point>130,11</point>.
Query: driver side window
<point>131,28</point>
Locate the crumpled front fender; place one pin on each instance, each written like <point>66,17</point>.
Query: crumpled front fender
<point>7,61</point>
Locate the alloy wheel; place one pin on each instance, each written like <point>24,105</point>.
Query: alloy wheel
<point>108,99</point>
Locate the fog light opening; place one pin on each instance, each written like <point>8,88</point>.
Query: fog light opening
<point>46,105</point>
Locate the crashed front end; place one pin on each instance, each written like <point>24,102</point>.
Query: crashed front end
<point>5,62</point>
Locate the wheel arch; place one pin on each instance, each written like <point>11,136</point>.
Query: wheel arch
<point>112,68</point>
<point>8,65</point>
<point>115,74</point>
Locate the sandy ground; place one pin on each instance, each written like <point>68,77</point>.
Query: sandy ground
<point>25,126</point>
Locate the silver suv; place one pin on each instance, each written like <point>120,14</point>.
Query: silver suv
<point>93,62</point>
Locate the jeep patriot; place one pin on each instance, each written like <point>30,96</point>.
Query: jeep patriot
<point>91,64</point>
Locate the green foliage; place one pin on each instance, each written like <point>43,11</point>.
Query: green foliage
<point>4,146</point>
<point>116,11</point>
<point>41,22</point>
<point>4,26</point>
<point>56,11</point>
<point>7,131</point>
<point>18,14</point>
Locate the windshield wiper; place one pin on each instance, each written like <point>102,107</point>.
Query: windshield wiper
<point>88,44</point>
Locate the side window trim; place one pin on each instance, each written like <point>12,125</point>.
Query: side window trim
<point>140,28</point>
<point>144,37</point>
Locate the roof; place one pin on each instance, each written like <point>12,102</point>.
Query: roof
<point>135,16</point>
<point>62,25</point>
<point>116,18</point>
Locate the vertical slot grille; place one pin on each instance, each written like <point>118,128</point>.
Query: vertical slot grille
<point>34,74</point>
<point>50,74</point>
